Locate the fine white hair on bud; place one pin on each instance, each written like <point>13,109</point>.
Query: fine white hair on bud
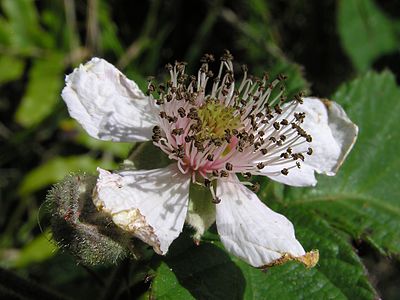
<point>78,227</point>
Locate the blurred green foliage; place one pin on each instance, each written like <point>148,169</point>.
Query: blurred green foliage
<point>319,45</point>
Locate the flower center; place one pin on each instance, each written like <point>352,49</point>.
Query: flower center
<point>245,128</point>
<point>216,120</point>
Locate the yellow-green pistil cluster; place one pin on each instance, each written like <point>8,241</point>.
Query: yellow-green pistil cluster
<point>216,120</point>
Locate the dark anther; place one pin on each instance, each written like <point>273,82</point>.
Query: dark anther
<point>260,166</point>
<point>247,175</point>
<point>223,173</point>
<point>156,129</point>
<point>264,151</point>
<point>207,182</point>
<point>284,122</point>
<point>284,155</point>
<point>309,138</point>
<point>228,166</point>
<point>298,164</point>
<point>255,187</point>
<point>276,125</point>
<point>278,109</point>
<point>210,157</point>
<point>216,200</point>
<point>285,171</point>
<point>177,131</point>
<point>181,112</point>
<point>299,98</point>
<point>282,77</point>
<point>168,67</point>
<point>310,151</point>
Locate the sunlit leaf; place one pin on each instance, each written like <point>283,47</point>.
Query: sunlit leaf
<point>24,24</point>
<point>43,91</point>
<point>36,251</point>
<point>11,68</point>
<point>55,169</point>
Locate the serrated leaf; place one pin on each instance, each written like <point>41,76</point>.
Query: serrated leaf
<point>56,169</point>
<point>207,272</point>
<point>43,91</point>
<point>363,199</point>
<point>365,32</point>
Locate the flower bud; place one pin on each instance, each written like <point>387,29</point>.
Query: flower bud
<point>78,227</point>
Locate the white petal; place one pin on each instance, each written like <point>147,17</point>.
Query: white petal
<point>107,104</point>
<point>332,131</point>
<point>333,136</point>
<point>250,230</point>
<point>296,177</point>
<point>151,204</point>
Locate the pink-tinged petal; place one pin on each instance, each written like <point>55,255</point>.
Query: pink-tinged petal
<point>150,204</point>
<point>107,104</point>
<point>253,232</point>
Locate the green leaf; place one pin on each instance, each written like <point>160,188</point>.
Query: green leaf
<point>166,285</point>
<point>24,25</point>
<point>205,271</point>
<point>79,135</point>
<point>366,33</point>
<point>348,280</point>
<point>43,91</point>
<point>11,68</point>
<point>56,169</point>
<point>363,199</point>
<point>38,250</point>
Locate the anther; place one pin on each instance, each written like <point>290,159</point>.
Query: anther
<point>228,166</point>
<point>247,175</point>
<point>181,112</point>
<point>278,109</point>
<point>223,173</point>
<point>216,200</point>
<point>264,151</point>
<point>177,131</point>
<point>207,183</point>
<point>260,166</point>
<point>284,122</point>
<point>276,125</point>
<point>284,155</point>
<point>156,129</point>
<point>255,187</point>
<point>210,157</point>
<point>310,151</point>
<point>284,171</point>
